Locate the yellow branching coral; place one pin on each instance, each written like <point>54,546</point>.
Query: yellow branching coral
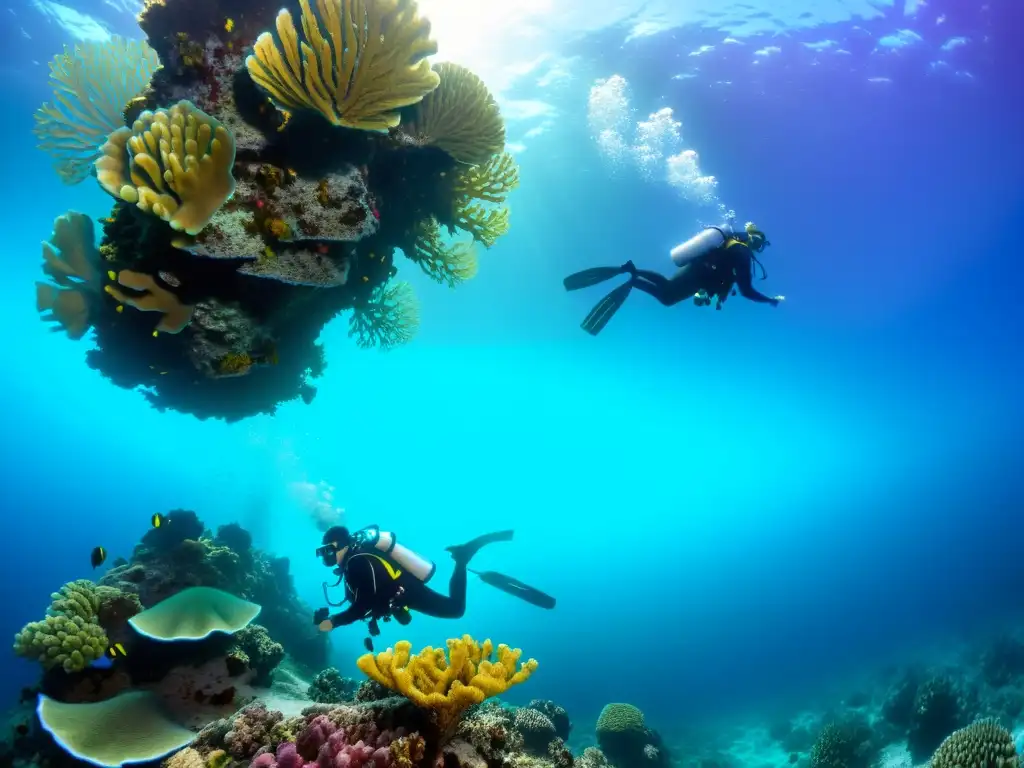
<point>71,260</point>
<point>485,224</point>
<point>91,84</point>
<point>460,116</point>
<point>70,636</point>
<point>390,319</point>
<point>175,163</point>
<point>360,61</point>
<point>491,182</point>
<point>450,264</point>
<point>448,683</point>
<point>153,298</point>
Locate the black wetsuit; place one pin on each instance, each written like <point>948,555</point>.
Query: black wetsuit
<point>715,274</point>
<point>377,587</point>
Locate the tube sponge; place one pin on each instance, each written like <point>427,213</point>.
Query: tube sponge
<point>154,298</point>
<point>450,264</point>
<point>193,614</point>
<point>360,61</point>
<point>175,163</point>
<point>70,636</point>
<point>92,84</point>
<point>460,116</point>
<point>448,684</point>
<point>132,727</point>
<point>71,260</point>
<point>390,319</point>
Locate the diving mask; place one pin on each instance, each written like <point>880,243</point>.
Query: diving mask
<point>328,553</point>
<point>758,241</point>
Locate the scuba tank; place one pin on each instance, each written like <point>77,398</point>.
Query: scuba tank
<point>701,244</point>
<point>386,543</point>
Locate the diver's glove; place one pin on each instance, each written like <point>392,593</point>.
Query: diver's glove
<point>321,615</point>
<point>776,300</point>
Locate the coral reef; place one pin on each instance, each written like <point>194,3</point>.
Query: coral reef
<point>844,744</point>
<point>556,714</point>
<point>255,648</point>
<point>330,687</point>
<point>265,175</point>
<point>181,554</point>
<point>940,707</point>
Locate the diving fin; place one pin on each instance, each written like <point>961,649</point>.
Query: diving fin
<point>605,309</point>
<point>589,277</point>
<point>516,588</point>
<point>463,553</point>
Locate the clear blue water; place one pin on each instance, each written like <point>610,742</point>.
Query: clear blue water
<point>739,511</point>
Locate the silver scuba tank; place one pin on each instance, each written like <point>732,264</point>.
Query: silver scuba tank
<point>700,245</point>
<point>387,543</point>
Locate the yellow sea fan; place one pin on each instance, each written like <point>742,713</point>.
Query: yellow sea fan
<point>460,116</point>
<point>390,319</point>
<point>92,83</point>
<point>357,64</point>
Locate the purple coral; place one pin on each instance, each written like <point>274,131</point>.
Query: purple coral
<point>322,744</point>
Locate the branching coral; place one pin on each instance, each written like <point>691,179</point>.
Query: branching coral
<point>450,264</point>
<point>71,260</point>
<point>175,163</point>
<point>490,183</point>
<point>154,298</point>
<point>460,116</point>
<point>448,683</point>
<point>390,319</point>
<point>91,84</point>
<point>70,636</point>
<point>360,61</point>
<point>486,225</point>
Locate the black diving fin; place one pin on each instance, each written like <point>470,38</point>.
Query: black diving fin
<point>516,588</point>
<point>589,277</point>
<point>605,309</point>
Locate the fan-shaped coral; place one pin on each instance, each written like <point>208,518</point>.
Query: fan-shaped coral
<point>479,194</point>
<point>359,63</point>
<point>174,163</point>
<point>71,260</point>
<point>460,116</point>
<point>92,84</point>
<point>390,319</point>
<point>450,264</point>
<point>151,297</point>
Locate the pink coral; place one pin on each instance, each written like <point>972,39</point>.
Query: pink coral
<point>324,745</point>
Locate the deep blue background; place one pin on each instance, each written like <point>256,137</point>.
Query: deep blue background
<point>755,505</point>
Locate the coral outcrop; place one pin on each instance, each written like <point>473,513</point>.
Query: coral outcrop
<point>181,554</point>
<point>267,174</point>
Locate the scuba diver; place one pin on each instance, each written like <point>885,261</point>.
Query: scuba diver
<point>384,580</point>
<point>710,264</point>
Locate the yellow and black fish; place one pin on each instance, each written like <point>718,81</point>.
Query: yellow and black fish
<point>98,557</point>
<point>158,520</point>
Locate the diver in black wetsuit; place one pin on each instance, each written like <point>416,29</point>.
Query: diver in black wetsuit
<point>384,580</point>
<point>710,264</point>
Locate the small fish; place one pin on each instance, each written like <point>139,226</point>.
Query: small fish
<point>229,25</point>
<point>98,556</point>
<point>368,644</point>
<point>158,520</point>
<point>106,661</point>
